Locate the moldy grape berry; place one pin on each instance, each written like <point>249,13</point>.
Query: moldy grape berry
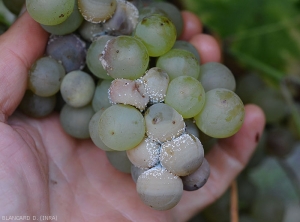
<point>137,91</point>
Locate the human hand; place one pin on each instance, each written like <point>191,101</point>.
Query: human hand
<point>44,171</point>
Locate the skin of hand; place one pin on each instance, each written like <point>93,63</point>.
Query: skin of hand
<point>44,171</point>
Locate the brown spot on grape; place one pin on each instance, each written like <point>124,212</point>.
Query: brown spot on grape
<point>169,151</point>
<point>173,121</point>
<point>61,16</point>
<point>161,24</point>
<point>143,21</point>
<point>117,51</point>
<point>155,120</point>
<point>112,133</point>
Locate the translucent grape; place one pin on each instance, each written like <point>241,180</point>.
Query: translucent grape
<point>136,172</point>
<point>91,31</point>
<point>125,57</point>
<point>216,75</point>
<point>149,10</point>
<point>69,25</point>
<point>75,121</point>
<point>97,11</point>
<point>93,54</point>
<point>159,189</point>
<point>70,50</point>
<point>145,154</point>
<point>179,62</point>
<point>155,82</point>
<point>163,122</point>
<point>119,160</point>
<point>94,131</point>
<point>45,76</point>
<point>173,13</point>
<point>191,128</point>
<point>182,155</point>
<point>77,88</point>
<point>36,106</point>
<point>51,12</point>
<point>222,115</point>
<point>180,44</point>
<point>197,179</point>
<point>157,33</point>
<point>186,95</point>
<point>100,99</point>
<point>121,127</point>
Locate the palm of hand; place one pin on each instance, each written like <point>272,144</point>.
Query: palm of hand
<point>51,173</point>
<point>44,171</point>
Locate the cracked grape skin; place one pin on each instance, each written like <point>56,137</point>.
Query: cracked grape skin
<point>155,82</point>
<point>92,57</point>
<point>222,115</point>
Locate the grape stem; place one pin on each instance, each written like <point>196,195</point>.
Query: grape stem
<point>234,202</point>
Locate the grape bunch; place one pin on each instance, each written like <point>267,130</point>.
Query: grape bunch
<point>117,73</point>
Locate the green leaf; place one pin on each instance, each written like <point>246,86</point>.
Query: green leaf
<point>266,30</point>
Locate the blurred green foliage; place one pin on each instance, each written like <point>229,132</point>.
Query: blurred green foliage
<point>267,31</point>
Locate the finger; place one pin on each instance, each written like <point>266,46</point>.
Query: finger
<point>227,159</point>
<point>208,48</point>
<point>20,46</point>
<point>191,25</point>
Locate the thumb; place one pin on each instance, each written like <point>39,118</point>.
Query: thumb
<point>20,46</point>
